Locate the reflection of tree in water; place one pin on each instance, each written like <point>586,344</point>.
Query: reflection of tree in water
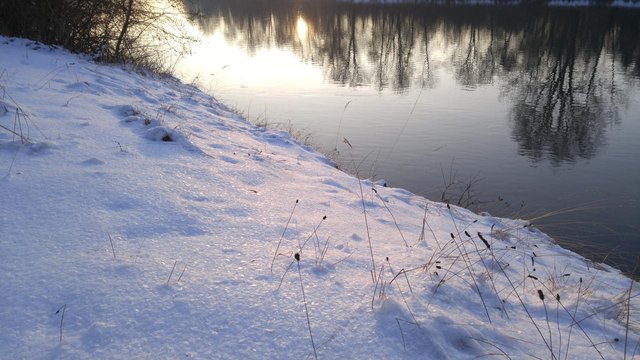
<point>356,45</point>
<point>562,69</point>
<point>565,90</point>
<point>337,49</point>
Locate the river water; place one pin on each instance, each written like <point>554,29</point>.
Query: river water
<point>530,112</point>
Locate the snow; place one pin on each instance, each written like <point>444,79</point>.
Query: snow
<point>143,219</point>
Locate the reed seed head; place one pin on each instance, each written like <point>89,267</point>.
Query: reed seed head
<point>297,256</point>
<point>541,295</point>
<point>486,243</point>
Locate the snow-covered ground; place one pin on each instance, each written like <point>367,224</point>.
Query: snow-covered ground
<point>141,219</point>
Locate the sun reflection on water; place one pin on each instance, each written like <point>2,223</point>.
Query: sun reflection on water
<point>302,28</point>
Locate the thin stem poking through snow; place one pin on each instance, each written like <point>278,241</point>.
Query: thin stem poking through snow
<point>306,310</point>
<point>366,223</point>
<point>282,236</point>
<point>63,309</point>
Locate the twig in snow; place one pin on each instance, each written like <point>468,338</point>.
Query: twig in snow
<point>172,269</point>
<point>182,273</point>
<point>113,250</point>
<point>63,308</point>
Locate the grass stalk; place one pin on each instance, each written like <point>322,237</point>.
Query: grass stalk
<point>306,309</point>
<point>282,236</point>
<point>335,148</point>
<point>546,315</point>
<point>366,223</point>
<point>626,330</point>
<point>392,217</point>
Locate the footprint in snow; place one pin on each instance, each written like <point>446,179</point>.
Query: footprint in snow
<point>335,184</point>
<point>92,162</point>
<point>218,146</point>
<point>144,95</point>
<point>194,197</point>
<point>229,160</point>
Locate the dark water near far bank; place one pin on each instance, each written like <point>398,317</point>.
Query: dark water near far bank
<point>538,107</point>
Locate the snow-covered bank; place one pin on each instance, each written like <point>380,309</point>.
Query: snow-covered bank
<point>117,244</point>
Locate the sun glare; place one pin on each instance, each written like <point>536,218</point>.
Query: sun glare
<point>302,28</point>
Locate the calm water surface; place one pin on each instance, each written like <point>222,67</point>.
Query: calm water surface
<point>538,108</point>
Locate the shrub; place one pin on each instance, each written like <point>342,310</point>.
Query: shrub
<point>140,32</point>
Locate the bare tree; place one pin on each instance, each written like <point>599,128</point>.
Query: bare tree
<point>141,32</point>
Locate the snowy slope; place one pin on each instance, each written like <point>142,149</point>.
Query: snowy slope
<point>117,244</point>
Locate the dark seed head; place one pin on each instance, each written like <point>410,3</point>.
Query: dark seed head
<point>452,236</point>
<point>324,217</point>
<point>448,206</point>
<point>297,256</point>
<point>541,295</point>
<point>466,233</point>
<point>486,243</point>
<point>558,297</point>
<point>387,258</point>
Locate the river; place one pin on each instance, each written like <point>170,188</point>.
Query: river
<point>520,111</point>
